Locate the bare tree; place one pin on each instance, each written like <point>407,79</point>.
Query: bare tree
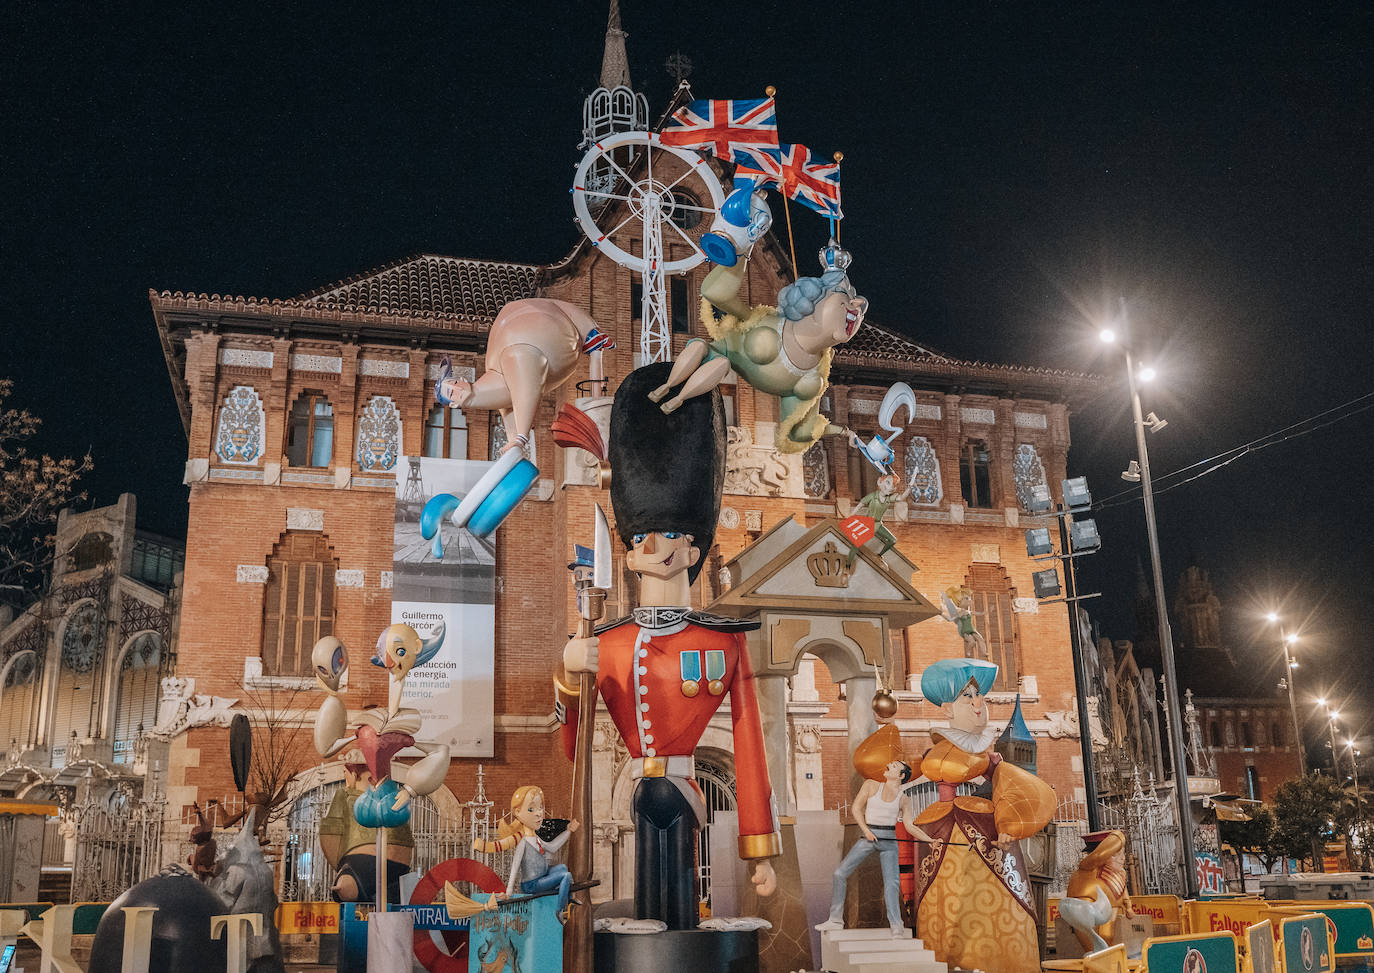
<point>33,490</point>
<point>274,717</point>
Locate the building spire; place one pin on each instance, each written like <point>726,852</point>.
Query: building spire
<point>615,64</point>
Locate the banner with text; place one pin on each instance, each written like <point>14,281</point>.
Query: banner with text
<point>453,693</point>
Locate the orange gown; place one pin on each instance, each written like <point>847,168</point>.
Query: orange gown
<point>973,900</point>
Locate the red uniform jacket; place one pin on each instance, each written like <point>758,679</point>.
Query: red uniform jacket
<point>662,685</point>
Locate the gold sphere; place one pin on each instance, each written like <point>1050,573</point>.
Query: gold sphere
<point>770,91</point>
<point>884,705</point>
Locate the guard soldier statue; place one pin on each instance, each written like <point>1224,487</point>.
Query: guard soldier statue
<point>665,669</point>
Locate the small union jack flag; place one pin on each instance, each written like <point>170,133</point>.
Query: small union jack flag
<point>730,129</point>
<point>596,341</point>
<point>816,185</point>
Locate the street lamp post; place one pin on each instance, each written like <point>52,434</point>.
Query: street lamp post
<point>1290,667</point>
<point>1332,717</point>
<point>1359,803</point>
<point>1166,640</point>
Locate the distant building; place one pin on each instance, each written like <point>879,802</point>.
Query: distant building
<point>80,668</point>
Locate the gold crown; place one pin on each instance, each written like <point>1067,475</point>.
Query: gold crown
<point>829,567</point>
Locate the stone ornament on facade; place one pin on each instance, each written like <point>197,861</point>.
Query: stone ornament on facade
<point>981,417</point>
<point>386,579</point>
<point>245,357</point>
<point>985,553</point>
<point>434,369</point>
<point>384,368</point>
<point>863,407</point>
<point>1029,420</point>
<point>83,638</point>
<point>182,709</point>
<point>923,471</point>
<point>379,434</point>
<point>1025,606</point>
<point>317,363</point>
<point>241,424</point>
<point>729,518</point>
<point>926,410</point>
<point>816,471</point>
<point>252,574</point>
<point>1027,472</point>
<point>348,578</point>
<point>304,518</point>
<point>752,470</point>
<point>807,737</point>
<point>753,520</point>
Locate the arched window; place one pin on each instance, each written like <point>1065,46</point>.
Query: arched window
<point>136,704</point>
<point>298,602</point>
<point>83,648</point>
<point>379,434</point>
<point>1276,735</point>
<point>19,700</point>
<point>446,433</point>
<point>310,434</point>
<point>922,469</point>
<point>993,596</point>
<point>1027,473</point>
<point>241,423</point>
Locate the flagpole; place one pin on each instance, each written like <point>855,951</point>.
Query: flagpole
<point>834,223</point>
<point>772,92</point>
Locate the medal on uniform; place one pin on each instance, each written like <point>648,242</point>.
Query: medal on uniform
<point>690,664</point>
<point>715,671</point>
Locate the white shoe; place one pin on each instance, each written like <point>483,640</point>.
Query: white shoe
<point>899,932</point>
<point>830,925</point>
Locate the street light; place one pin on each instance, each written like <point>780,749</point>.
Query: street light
<point>1289,663</point>
<point>1166,640</point>
<point>1332,717</point>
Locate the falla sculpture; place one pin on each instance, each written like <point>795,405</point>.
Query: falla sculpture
<point>381,734</point>
<point>784,350</point>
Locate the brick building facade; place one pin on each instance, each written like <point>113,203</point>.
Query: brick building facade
<point>296,411</point>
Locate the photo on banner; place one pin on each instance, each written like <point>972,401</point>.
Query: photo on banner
<point>453,692</point>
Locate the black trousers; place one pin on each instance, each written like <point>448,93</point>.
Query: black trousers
<point>665,854</point>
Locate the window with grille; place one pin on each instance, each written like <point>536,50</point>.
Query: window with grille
<point>975,474</point>
<point>298,604</point>
<point>310,433</point>
<point>993,596</point>
<point>446,433</point>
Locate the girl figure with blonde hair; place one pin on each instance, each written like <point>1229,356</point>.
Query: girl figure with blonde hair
<point>956,605</point>
<point>533,869</point>
<point>973,896</point>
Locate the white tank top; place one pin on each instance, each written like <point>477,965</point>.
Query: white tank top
<point>882,813</point>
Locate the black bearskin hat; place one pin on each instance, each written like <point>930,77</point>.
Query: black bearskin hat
<point>667,471</point>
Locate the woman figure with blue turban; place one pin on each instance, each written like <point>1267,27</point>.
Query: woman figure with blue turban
<point>973,896</point>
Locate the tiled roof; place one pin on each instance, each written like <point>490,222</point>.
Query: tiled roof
<point>874,342</point>
<point>877,349</point>
<point>432,286</point>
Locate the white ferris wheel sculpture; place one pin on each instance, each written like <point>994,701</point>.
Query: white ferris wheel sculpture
<point>650,199</point>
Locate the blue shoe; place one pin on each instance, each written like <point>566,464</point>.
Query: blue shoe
<point>504,497</point>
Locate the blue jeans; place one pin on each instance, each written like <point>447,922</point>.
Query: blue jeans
<point>886,849</point>
<point>557,877</point>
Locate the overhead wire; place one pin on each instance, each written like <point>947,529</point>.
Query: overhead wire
<point>1227,457</point>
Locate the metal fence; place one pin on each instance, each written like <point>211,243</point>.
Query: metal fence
<point>118,844</point>
<point>1153,847</point>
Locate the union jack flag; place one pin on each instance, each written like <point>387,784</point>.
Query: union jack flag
<point>730,129</point>
<point>596,341</point>
<point>790,168</point>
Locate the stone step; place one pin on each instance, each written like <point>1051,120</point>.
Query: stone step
<point>875,951</point>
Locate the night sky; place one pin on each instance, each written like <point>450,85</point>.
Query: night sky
<point>1011,170</point>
